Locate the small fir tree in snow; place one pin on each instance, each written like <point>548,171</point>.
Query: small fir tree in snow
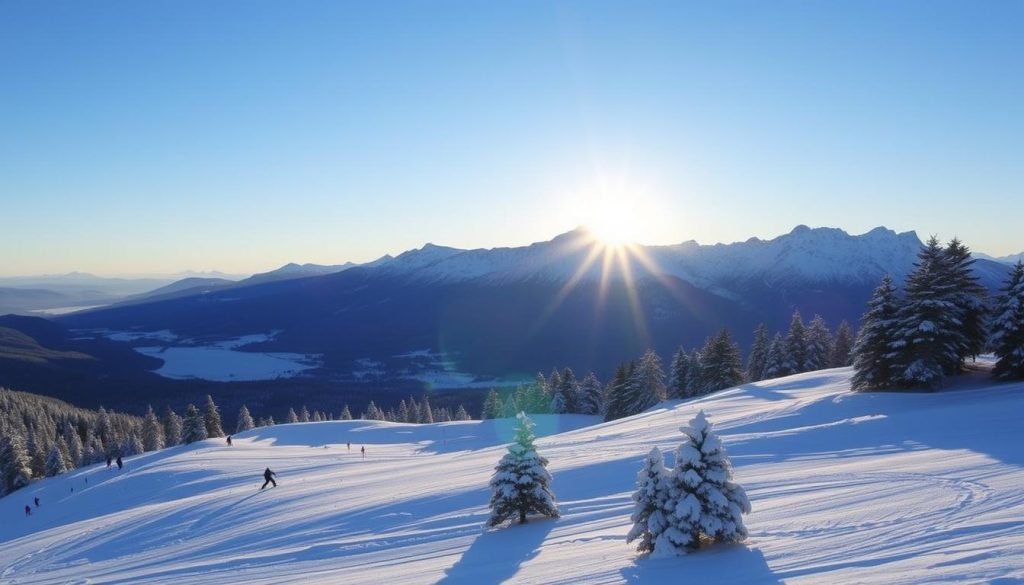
<point>193,427</point>
<point>646,385</point>
<point>172,427</point>
<point>702,501</point>
<point>758,354</point>
<point>291,417</point>
<point>819,344</point>
<point>244,420</point>
<point>842,349</point>
<point>694,384</point>
<point>152,432</point>
<point>461,413</point>
<point>566,397</point>
<point>510,409</point>
<point>346,414</point>
<point>403,412</point>
<point>211,417</point>
<point>304,414</point>
<point>872,354</point>
<point>678,374</point>
<point>648,516</point>
<point>775,363</point>
<point>492,406</point>
<point>15,472</point>
<point>928,339</point>
<point>426,414</point>
<point>590,395</point>
<point>616,404</point>
<point>55,463</point>
<point>1008,327</point>
<point>521,485</point>
<point>969,298</point>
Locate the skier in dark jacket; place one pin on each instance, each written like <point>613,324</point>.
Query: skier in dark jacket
<point>269,477</point>
<point>120,464</point>
<point>229,440</point>
<point>37,502</point>
<point>28,510</point>
<point>109,461</point>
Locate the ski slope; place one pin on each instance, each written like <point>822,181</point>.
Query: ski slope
<point>846,488</point>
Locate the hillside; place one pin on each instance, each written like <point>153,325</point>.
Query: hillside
<point>894,488</point>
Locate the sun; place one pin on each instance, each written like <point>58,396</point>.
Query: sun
<point>614,222</point>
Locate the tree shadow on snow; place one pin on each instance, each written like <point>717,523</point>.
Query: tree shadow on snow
<point>728,563</point>
<point>496,555</point>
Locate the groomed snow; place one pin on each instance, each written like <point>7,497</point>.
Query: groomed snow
<point>846,488</point>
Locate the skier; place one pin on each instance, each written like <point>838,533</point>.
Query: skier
<point>229,440</point>
<point>28,510</point>
<point>269,477</point>
<point>349,445</point>
<point>109,461</point>
<point>120,464</point>
<point>37,501</point>
<point>363,449</point>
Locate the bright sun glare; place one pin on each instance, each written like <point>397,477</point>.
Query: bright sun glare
<point>614,223</point>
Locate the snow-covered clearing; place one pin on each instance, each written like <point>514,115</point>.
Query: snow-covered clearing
<point>228,365</point>
<point>880,488</point>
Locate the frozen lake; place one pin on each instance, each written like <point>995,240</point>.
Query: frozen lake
<point>221,364</point>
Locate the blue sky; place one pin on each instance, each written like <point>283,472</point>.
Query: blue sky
<point>151,137</point>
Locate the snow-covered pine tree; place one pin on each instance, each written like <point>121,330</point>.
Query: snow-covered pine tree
<point>304,414</point>
<point>521,485</point>
<point>1008,327</point>
<point>346,414</point>
<point>15,472</point>
<point>75,448</point>
<point>872,353</point>
<point>775,363</point>
<point>694,385</point>
<point>928,338</point>
<point>969,298</point>
<point>245,422</point>
<point>720,363</point>
<point>194,426</point>
<point>172,427</point>
<point>702,501</point>
<point>492,406</point>
<point>649,502</point>
<point>55,463</point>
<point>795,356</point>
<point>842,349</point>
<point>554,381</point>
<point>758,354</point>
<point>461,413</point>
<point>819,344</point>
<point>590,395</point>
<point>678,374</point>
<point>403,412</point>
<point>616,403</point>
<point>646,385</point>
<point>570,390</point>
<point>152,432</point>
<point>211,418</point>
<point>291,417</point>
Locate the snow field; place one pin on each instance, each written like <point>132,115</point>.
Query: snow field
<point>846,488</point>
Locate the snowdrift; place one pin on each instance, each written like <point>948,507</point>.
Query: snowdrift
<point>893,488</point>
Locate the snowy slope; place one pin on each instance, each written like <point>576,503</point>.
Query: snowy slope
<point>846,488</point>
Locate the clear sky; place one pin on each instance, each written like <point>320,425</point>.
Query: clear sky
<point>151,137</point>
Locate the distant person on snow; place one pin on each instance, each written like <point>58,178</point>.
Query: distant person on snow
<point>28,510</point>
<point>120,464</point>
<point>349,445</point>
<point>109,460</point>
<point>37,501</point>
<point>363,449</point>
<point>229,440</point>
<point>269,477</point>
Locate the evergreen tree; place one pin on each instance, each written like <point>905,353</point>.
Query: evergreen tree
<point>694,385</point>
<point>346,414</point>
<point>152,432</point>
<point>969,298</point>
<point>76,450</point>
<point>403,412</point>
<point>648,516</point>
<point>702,499</point>
<point>795,357</point>
<point>758,354</point>
<point>872,354</point>
<point>590,395</point>
<point>678,374</point>
<point>617,403</point>
<point>461,413</point>
<point>928,339</point>
<point>291,417</point>
<point>15,472</point>
<point>172,427</point>
<point>554,382</point>
<point>566,394</point>
<point>55,464</point>
<point>510,408</point>
<point>426,414</point>
<point>304,414</point>
<point>721,366</point>
<point>1008,327</point>
<point>244,420</point>
<point>492,406</point>
<point>819,345</point>
<point>775,362</point>
<point>194,425</point>
<point>842,349</point>
<point>521,485</point>
<point>646,386</point>
<point>211,418</point>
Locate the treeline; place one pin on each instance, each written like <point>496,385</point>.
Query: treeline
<point>642,383</point>
<point>916,338</point>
